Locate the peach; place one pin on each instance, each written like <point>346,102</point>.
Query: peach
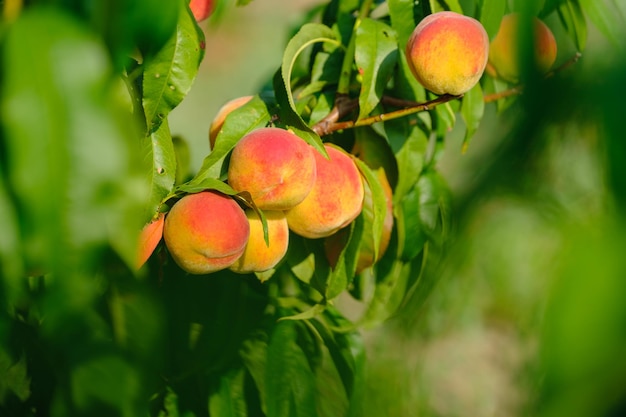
<point>201,9</point>
<point>275,166</point>
<point>258,256</point>
<point>220,116</point>
<point>335,200</point>
<point>149,238</point>
<point>447,52</point>
<point>206,232</point>
<point>334,244</point>
<point>504,48</point>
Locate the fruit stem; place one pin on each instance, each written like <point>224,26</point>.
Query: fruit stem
<point>323,129</point>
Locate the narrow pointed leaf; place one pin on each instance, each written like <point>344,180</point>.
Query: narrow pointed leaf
<point>375,56</point>
<point>169,74</point>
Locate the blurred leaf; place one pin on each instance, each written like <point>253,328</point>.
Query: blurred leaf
<point>14,378</point>
<point>491,13</point>
<point>11,267</point>
<point>160,149</point>
<point>169,74</point>
<point>49,100</point>
<point>472,110</point>
<point>229,399</point>
<point>289,380</point>
<point>130,24</point>
<point>607,18</point>
<point>107,381</point>
<point>574,22</point>
<point>341,276</point>
<point>375,56</point>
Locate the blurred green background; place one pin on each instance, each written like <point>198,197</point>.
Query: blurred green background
<point>529,317</point>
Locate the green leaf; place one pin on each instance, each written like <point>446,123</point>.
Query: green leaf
<point>289,379</point>
<point>375,56</point>
<point>607,18</point>
<point>441,5</point>
<point>375,216</point>
<point>574,22</point>
<point>289,118</point>
<point>160,149</point>
<point>228,399</point>
<point>309,34</point>
<point>241,121</point>
<point>253,354</point>
<point>410,158</point>
<point>169,74</point>
<point>472,110</point>
<point>491,13</point>
<point>402,19</point>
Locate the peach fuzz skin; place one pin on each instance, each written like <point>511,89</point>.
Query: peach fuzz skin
<point>222,113</point>
<point>334,244</point>
<point>447,52</point>
<point>258,256</point>
<point>149,238</point>
<point>201,9</point>
<point>275,166</point>
<point>504,48</point>
<point>335,200</point>
<point>206,232</point>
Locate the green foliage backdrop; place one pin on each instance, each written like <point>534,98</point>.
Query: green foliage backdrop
<point>506,257</point>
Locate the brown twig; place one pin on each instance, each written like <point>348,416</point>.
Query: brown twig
<point>345,105</point>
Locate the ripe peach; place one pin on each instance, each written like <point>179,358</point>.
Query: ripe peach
<point>504,48</point>
<point>447,52</point>
<point>275,166</point>
<point>334,244</point>
<point>206,232</point>
<point>149,238</point>
<point>220,117</point>
<point>201,9</point>
<point>335,200</point>
<point>258,256</point>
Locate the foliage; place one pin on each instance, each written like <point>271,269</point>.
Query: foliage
<point>87,158</point>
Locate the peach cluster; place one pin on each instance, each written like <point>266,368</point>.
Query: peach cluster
<point>297,189</point>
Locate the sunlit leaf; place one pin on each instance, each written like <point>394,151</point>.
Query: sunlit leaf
<point>375,56</point>
<point>169,74</point>
<point>491,13</point>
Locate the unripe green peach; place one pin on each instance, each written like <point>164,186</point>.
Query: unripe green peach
<point>447,52</point>
<point>206,232</point>
<point>149,238</point>
<point>504,48</point>
<point>335,200</point>
<point>258,256</point>
<point>220,116</point>
<point>275,166</point>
